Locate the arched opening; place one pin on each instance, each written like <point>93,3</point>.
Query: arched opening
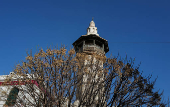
<point>11,99</point>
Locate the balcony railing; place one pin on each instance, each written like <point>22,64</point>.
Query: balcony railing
<point>93,48</point>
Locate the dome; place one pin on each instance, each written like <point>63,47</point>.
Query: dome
<point>92,24</point>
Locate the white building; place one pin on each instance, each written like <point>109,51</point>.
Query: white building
<point>11,83</point>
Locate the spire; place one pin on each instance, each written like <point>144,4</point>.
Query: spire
<point>92,29</point>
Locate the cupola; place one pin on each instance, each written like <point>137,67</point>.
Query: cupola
<point>92,29</point>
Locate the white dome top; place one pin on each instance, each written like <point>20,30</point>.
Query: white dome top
<point>92,24</point>
<point>92,29</point>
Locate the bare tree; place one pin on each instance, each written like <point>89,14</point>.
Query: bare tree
<point>56,78</point>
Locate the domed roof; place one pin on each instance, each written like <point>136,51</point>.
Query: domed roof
<point>92,24</point>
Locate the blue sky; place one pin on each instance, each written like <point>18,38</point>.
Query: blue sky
<point>136,28</point>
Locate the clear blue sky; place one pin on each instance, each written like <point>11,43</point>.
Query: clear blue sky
<point>138,28</point>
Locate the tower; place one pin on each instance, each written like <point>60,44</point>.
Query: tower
<point>90,45</point>
<point>91,42</point>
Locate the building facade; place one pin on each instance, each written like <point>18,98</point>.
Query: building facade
<point>10,86</point>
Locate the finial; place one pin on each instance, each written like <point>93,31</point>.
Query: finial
<point>92,18</point>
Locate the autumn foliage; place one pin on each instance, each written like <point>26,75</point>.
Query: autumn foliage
<point>66,78</point>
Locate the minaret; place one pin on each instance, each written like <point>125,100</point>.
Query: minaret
<point>91,42</point>
<point>90,45</point>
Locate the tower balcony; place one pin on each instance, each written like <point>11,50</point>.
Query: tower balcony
<point>91,48</point>
<point>91,44</point>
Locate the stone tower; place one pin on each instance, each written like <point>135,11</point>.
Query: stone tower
<point>90,44</point>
